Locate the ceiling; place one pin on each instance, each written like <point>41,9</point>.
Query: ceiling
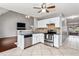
<point>67,9</point>
<point>72,22</point>
<point>3,11</point>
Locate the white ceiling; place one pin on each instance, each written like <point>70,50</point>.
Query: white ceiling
<point>2,11</point>
<point>67,9</point>
<point>72,22</point>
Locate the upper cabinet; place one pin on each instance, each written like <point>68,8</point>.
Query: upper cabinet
<point>43,23</point>
<point>55,20</point>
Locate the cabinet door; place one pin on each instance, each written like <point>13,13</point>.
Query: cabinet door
<point>20,41</point>
<point>34,39</point>
<point>56,41</point>
<point>41,38</point>
<point>37,38</point>
<point>42,23</point>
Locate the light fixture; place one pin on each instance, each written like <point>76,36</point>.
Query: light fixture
<point>45,7</point>
<point>27,16</point>
<point>43,11</point>
<point>73,23</point>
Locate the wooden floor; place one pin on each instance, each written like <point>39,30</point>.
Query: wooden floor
<point>7,47</point>
<point>7,43</point>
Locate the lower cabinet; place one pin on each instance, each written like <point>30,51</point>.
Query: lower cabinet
<point>36,38</point>
<point>20,41</point>
<point>41,38</point>
<point>56,41</point>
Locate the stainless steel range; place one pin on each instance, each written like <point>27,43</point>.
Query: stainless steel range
<point>49,37</point>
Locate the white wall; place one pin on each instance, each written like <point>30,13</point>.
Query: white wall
<point>8,23</point>
<point>35,23</point>
<point>42,23</point>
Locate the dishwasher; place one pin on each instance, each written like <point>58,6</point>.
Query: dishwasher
<point>27,40</point>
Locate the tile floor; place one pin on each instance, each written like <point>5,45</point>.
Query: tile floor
<point>42,50</point>
<point>72,41</point>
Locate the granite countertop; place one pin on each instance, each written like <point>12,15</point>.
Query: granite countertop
<point>37,32</point>
<point>24,32</point>
<point>43,30</point>
<point>44,33</point>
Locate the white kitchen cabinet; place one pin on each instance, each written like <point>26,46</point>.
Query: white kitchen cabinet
<point>20,41</point>
<point>38,37</point>
<point>41,38</point>
<point>43,23</point>
<point>34,38</point>
<point>56,40</point>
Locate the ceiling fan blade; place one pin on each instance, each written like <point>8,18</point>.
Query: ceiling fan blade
<point>47,11</point>
<point>50,7</point>
<point>36,7</point>
<point>39,11</point>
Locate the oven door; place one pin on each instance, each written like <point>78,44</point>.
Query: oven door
<point>49,38</point>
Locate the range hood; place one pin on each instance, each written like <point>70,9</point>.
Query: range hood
<point>51,26</point>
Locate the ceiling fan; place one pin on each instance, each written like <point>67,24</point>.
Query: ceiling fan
<point>44,8</point>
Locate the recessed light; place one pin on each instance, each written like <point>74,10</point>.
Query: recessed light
<point>72,17</point>
<point>27,16</point>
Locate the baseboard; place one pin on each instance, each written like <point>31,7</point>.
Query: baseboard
<point>8,37</point>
